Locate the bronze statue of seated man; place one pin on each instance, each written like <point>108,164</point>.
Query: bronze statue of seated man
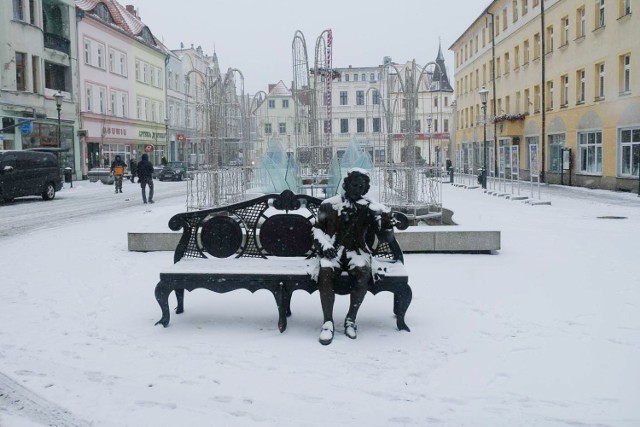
<point>339,239</point>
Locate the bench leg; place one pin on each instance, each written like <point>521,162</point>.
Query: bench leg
<point>162,296</point>
<point>401,301</point>
<point>280,294</point>
<point>180,298</point>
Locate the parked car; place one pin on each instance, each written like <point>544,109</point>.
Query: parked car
<point>29,173</point>
<point>174,171</point>
<point>104,175</point>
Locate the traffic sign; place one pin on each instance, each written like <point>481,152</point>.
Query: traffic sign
<point>26,126</point>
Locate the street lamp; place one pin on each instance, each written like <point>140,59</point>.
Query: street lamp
<point>166,137</point>
<point>484,93</point>
<point>429,130</point>
<point>59,97</point>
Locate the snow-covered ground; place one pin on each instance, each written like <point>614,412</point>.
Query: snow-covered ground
<point>544,333</point>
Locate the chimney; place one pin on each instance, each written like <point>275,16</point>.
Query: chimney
<point>132,10</point>
<point>271,86</point>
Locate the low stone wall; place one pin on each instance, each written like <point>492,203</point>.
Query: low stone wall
<point>415,239</point>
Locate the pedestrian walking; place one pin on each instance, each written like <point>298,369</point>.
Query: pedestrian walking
<point>133,168</point>
<point>117,169</point>
<point>145,177</point>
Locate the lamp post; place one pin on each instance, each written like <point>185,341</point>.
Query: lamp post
<point>429,130</point>
<point>483,99</point>
<point>166,137</point>
<point>59,97</point>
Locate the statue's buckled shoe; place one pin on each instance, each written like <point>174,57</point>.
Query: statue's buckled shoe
<point>350,329</point>
<point>326,334</point>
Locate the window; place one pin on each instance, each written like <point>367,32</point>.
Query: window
<point>549,41</point>
<point>446,98</point>
<point>535,2</point>
<point>564,101</point>
<point>536,46</point>
<point>100,56</point>
<point>355,77</point>
<point>344,125</point>
<point>504,19</point>
<point>21,76</point>
<point>527,100</point>
<point>102,100</point>
<point>625,73</point>
<point>516,57</point>
<point>435,102</point>
<point>35,72</point>
<point>507,66</point>
<point>549,98</point>
<point>375,97</point>
<point>629,152</point>
<point>359,97</point>
<point>514,10</point>
<point>536,99</point>
<point>525,7</point>
<point>556,144</point>
<point>138,73</point>
<point>600,81</point>
<point>446,125</point>
<point>590,152</point>
<point>625,7</point>
<point>497,24</point>
<point>346,77</point>
<point>518,100</point>
<point>285,103</point>
<point>376,124</point>
<point>267,128</point>
<point>343,97</point>
<point>272,103</point>
<point>359,125</point>
<point>282,128</point>
<point>372,77</point>
<point>580,19</point>
<point>600,13</point>
<point>87,52</point>
<point>18,10</point>
<point>114,103</point>
<point>363,77</point>
<point>89,97</point>
<point>580,87</point>
<point>527,52</point>
<point>564,39</point>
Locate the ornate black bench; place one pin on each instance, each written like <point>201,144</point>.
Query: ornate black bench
<point>266,243</point>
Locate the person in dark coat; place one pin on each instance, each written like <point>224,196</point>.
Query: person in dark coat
<point>339,239</point>
<point>145,177</point>
<point>133,167</point>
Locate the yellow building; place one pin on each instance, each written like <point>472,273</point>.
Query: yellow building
<point>563,77</point>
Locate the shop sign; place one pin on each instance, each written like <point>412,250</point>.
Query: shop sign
<point>148,148</point>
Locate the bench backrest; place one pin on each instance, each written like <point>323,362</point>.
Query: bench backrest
<point>269,225</point>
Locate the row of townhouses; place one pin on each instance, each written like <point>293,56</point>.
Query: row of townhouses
<point>366,106</point>
<point>89,79</point>
<point>563,92</point>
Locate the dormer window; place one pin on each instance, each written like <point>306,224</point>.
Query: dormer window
<point>102,12</point>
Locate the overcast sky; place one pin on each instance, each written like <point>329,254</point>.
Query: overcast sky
<point>255,36</point>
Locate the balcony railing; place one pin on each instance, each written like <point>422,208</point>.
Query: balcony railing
<point>54,41</point>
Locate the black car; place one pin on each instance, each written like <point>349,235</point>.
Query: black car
<point>174,171</point>
<point>29,173</point>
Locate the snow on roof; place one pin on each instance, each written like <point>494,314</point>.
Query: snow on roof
<point>280,89</point>
<point>124,19</point>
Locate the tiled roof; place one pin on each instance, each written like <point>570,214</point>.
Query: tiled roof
<point>125,20</point>
<point>280,89</point>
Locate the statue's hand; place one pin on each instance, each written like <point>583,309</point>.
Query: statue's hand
<point>330,253</point>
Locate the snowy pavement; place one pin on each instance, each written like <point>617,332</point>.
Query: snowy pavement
<point>544,333</point>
